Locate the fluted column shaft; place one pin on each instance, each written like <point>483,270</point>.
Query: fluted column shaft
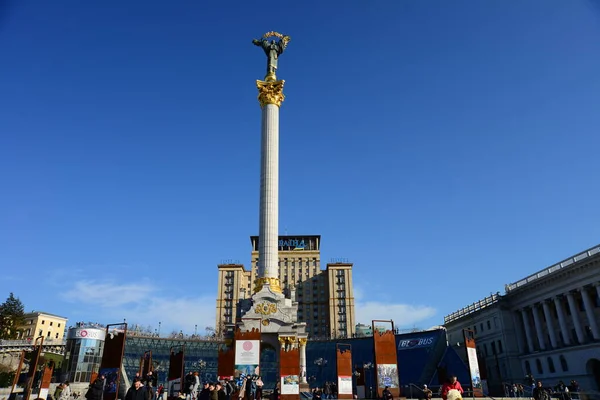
<point>589,311</point>
<point>527,327</point>
<point>302,362</point>
<point>549,323</point>
<point>538,327</point>
<point>575,317</point>
<point>269,193</point>
<point>560,312</point>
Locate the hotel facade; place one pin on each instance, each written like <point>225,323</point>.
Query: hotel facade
<point>325,297</point>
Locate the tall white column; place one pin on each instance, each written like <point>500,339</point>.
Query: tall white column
<point>302,360</point>
<point>527,327</point>
<point>589,311</point>
<point>560,312</point>
<point>549,323</point>
<point>538,327</point>
<point>269,193</point>
<point>575,317</point>
<point>270,98</point>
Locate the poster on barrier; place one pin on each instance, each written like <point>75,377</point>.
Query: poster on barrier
<point>344,385</point>
<point>387,375</point>
<point>290,384</point>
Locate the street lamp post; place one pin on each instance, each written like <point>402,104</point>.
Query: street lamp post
<point>199,365</point>
<point>320,362</point>
<point>367,367</point>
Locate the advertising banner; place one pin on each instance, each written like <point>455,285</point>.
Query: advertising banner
<point>344,370</point>
<point>345,385</point>
<point>290,384</point>
<point>46,379</point>
<point>247,357</point>
<point>247,352</point>
<point>387,375</point>
<point>476,384</point>
<point>474,369</point>
<point>112,359</point>
<point>175,376</point>
<point>416,343</point>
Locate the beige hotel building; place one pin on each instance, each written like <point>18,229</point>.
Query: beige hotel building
<point>325,296</point>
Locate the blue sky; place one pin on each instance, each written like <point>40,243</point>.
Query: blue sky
<point>445,147</point>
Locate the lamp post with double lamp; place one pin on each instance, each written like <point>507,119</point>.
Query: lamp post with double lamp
<point>368,366</point>
<point>321,362</point>
<point>356,376</point>
<point>199,366</point>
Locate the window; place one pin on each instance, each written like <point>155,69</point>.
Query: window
<point>527,368</point>
<point>56,337</point>
<point>475,329</point>
<point>500,350</point>
<point>481,326</point>
<point>51,323</point>
<point>485,349</point>
<point>538,365</point>
<point>493,347</point>
<point>43,322</point>
<point>551,365</point>
<point>48,335</point>
<point>40,333</point>
<point>563,363</point>
<point>59,325</point>
<point>489,325</point>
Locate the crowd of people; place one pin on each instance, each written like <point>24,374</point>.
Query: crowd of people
<point>560,391</point>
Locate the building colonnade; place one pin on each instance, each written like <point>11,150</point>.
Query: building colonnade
<point>542,315</point>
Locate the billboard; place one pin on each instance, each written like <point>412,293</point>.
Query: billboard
<point>290,384</point>
<point>387,375</point>
<point>344,385</point>
<point>418,342</point>
<point>474,369</point>
<point>247,357</point>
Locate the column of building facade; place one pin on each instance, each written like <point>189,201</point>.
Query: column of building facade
<point>589,311</point>
<point>560,312</point>
<point>517,322</point>
<point>302,342</point>
<point>575,317</point>
<point>527,329</point>
<point>549,323</point>
<point>538,327</point>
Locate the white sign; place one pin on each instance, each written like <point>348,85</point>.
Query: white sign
<point>345,385</point>
<point>247,352</point>
<point>289,384</point>
<point>86,333</point>
<point>474,368</point>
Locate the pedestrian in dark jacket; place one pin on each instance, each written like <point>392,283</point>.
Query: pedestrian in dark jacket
<point>137,392</point>
<point>96,389</point>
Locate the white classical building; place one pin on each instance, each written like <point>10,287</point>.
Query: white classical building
<point>545,325</point>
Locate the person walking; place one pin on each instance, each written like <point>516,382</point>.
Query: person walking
<point>453,383</point>
<point>66,392</point>
<point>540,392</point>
<point>96,389</point>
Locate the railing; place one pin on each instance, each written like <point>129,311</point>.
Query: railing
<point>488,301</point>
<point>553,268</point>
<point>25,342</point>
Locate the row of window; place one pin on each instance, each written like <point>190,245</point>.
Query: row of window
<point>496,348</point>
<point>550,361</point>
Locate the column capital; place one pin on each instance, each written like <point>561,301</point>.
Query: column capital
<point>270,93</point>
<point>302,341</point>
